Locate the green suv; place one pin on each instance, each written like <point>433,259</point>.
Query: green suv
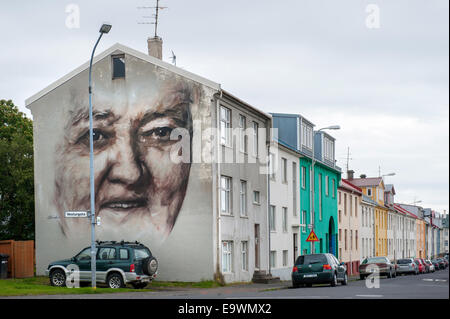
<point>118,263</point>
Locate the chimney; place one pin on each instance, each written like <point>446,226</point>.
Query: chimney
<point>350,175</point>
<point>155,47</point>
<point>363,175</point>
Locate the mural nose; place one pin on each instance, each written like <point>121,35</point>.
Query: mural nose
<point>125,167</point>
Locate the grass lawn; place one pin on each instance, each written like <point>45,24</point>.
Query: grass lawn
<point>41,286</point>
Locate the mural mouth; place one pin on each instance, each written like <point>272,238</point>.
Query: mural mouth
<point>124,205</point>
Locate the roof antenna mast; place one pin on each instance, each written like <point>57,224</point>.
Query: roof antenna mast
<point>154,16</point>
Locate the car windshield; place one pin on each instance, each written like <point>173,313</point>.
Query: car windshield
<point>374,260</point>
<point>312,259</point>
<point>141,253</point>
<point>403,261</point>
<point>85,254</point>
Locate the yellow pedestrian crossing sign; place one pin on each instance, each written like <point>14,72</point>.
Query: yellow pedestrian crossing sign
<point>312,236</point>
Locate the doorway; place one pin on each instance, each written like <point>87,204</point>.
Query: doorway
<point>256,246</point>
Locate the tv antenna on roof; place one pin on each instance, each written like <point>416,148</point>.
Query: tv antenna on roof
<point>154,16</point>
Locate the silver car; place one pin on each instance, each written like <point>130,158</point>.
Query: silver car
<point>430,264</point>
<point>407,266</point>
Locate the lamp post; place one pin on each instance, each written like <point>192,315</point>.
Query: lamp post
<point>333,127</point>
<point>104,29</point>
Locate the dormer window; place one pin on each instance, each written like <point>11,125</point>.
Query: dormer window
<point>328,149</point>
<point>118,64</point>
<point>307,136</point>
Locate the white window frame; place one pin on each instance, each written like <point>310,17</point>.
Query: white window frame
<point>242,136</point>
<point>304,217</point>
<point>243,198</point>
<point>285,219</point>
<point>227,256</point>
<point>256,200</point>
<point>226,183</point>
<point>284,163</point>
<point>255,138</point>
<point>225,126</point>
<point>244,255</point>
<point>285,258</point>
<point>272,218</point>
<point>303,177</point>
<point>273,259</point>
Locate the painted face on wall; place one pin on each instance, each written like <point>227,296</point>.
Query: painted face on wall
<point>138,186</point>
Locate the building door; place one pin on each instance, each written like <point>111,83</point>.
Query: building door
<point>295,254</point>
<point>256,246</point>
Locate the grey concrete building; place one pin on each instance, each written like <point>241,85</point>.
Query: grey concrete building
<point>158,134</point>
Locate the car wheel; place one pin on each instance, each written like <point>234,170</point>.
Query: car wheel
<point>58,278</point>
<point>308,285</point>
<point>334,280</point>
<point>139,285</point>
<point>295,285</point>
<point>115,281</point>
<point>345,281</point>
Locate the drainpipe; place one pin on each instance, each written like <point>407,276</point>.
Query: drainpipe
<point>217,153</point>
<point>268,199</point>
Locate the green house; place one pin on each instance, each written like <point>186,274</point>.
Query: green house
<point>326,181</point>
<point>297,133</point>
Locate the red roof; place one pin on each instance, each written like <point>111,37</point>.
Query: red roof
<point>347,185</point>
<point>404,211</point>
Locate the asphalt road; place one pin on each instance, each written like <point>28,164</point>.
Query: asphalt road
<point>424,286</point>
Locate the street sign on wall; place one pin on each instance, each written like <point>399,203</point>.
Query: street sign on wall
<point>75,214</point>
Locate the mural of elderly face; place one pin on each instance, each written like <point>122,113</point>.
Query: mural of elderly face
<point>139,189</point>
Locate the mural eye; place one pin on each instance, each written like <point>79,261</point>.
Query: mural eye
<point>159,134</point>
<point>98,136</point>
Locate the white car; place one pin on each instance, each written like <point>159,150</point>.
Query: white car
<point>430,264</point>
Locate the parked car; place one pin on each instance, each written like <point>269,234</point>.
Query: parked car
<point>430,265</point>
<point>407,266</point>
<point>117,264</point>
<point>318,269</point>
<point>442,264</point>
<point>385,267</point>
<point>420,265</point>
<point>427,267</point>
<point>435,264</point>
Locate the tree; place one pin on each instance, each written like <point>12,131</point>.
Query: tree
<point>16,174</point>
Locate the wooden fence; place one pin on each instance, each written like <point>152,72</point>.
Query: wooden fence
<point>21,257</point>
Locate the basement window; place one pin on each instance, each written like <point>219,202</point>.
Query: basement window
<point>118,64</point>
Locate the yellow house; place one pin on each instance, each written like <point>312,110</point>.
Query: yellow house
<point>420,237</point>
<point>373,187</point>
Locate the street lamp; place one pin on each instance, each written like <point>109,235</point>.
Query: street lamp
<point>105,28</point>
<point>332,127</point>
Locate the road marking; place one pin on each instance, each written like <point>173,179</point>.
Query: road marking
<point>370,296</point>
<point>427,279</point>
<point>440,280</point>
<point>281,297</point>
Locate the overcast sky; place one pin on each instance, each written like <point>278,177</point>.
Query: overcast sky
<point>386,87</point>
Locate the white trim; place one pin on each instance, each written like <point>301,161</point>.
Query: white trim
<point>127,50</point>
